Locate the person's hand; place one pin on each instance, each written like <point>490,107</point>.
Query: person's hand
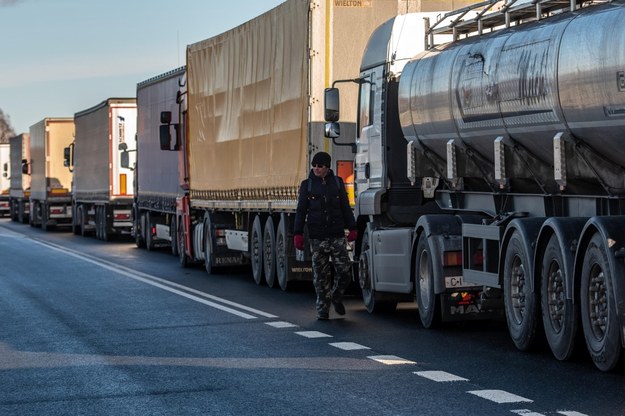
<point>298,241</point>
<point>352,236</point>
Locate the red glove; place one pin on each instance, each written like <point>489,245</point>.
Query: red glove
<point>352,236</point>
<point>298,241</point>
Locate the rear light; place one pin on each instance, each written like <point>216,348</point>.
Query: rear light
<point>121,216</point>
<point>478,258</point>
<point>57,211</point>
<point>452,258</point>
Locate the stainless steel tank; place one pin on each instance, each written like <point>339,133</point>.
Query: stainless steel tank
<point>565,74</point>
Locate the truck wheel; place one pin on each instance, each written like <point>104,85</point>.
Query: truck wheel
<point>75,228</point>
<point>282,254</point>
<point>149,238</point>
<point>559,315</point>
<point>139,221</point>
<point>269,252</point>
<point>83,221</point>
<point>521,304</point>
<point>369,296</point>
<point>256,250</point>
<point>598,307</point>
<point>182,255</point>
<point>173,234</point>
<point>208,244</point>
<point>44,217</point>
<point>428,302</point>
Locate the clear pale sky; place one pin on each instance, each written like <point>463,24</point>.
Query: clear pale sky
<point>59,57</point>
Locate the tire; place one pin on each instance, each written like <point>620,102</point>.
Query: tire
<point>149,238</point>
<point>521,305</point>
<point>75,219</point>
<point>428,302</point>
<point>173,234</point>
<point>44,217</point>
<point>283,265</point>
<point>369,296</point>
<point>208,245</point>
<point>269,252</point>
<point>559,315</point>
<point>182,255</point>
<point>598,307</point>
<point>256,250</point>
<point>83,220</point>
<point>139,221</point>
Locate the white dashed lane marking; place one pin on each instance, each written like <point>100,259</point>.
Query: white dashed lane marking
<point>313,334</point>
<point>526,412</point>
<point>349,346</point>
<point>390,359</point>
<point>571,413</point>
<point>499,396</point>
<point>440,376</point>
<point>281,324</point>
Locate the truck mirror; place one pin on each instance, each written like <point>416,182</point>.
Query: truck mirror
<point>165,117</point>
<point>124,159</point>
<point>25,167</point>
<point>331,104</point>
<point>67,152</point>
<point>332,130</point>
<point>165,136</point>
<point>123,147</point>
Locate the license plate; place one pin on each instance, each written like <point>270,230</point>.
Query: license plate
<point>452,282</point>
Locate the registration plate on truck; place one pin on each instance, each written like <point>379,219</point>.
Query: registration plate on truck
<point>452,282</point>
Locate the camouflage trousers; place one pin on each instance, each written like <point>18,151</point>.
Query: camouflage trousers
<point>330,290</point>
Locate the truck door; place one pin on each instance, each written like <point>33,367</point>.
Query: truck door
<point>369,172</point>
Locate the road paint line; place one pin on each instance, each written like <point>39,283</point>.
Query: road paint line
<point>527,412</point>
<point>313,334</point>
<point>349,346</point>
<point>154,281</point>
<point>571,413</point>
<point>281,324</point>
<point>499,396</point>
<point>440,376</point>
<point>390,360</point>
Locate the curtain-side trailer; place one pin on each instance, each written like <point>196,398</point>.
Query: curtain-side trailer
<point>5,181</point>
<point>19,193</point>
<point>50,186</point>
<point>102,192</point>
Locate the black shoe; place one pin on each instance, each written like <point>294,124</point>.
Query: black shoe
<point>323,316</point>
<point>339,308</point>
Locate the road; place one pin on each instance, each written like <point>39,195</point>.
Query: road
<point>102,328</point>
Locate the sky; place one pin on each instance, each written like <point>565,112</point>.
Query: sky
<point>59,57</point>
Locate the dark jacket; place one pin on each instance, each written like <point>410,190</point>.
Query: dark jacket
<point>325,208</point>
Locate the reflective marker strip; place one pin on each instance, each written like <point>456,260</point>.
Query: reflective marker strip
<point>499,396</point>
<point>440,376</point>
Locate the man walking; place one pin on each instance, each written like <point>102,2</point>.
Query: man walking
<point>323,205</point>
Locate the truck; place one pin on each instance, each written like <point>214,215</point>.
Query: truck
<point>50,184</point>
<point>19,175</point>
<point>488,176</point>
<point>157,181</point>
<point>251,117</point>
<point>102,189</point>
<point>5,183</point>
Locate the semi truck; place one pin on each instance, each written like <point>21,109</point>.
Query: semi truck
<point>5,182</point>
<point>489,178</point>
<point>102,189</point>
<point>50,185</point>
<point>251,118</point>
<point>19,174</point>
<point>157,181</point>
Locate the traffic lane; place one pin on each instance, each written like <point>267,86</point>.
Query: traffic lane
<point>83,339</point>
<point>478,351</point>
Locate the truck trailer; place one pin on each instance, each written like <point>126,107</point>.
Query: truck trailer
<point>489,175</point>
<point>19,173</point>
<point>157,178</point>
<point>252,117</point>
<point>5,182</point>
<point>50,186</point>
<point>102,190</point>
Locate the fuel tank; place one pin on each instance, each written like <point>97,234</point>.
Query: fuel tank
<point>563,74</point>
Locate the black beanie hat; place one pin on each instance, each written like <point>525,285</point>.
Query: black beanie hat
<point>322,158</point>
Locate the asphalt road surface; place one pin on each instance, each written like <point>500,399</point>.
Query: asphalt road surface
<point>101,328</point>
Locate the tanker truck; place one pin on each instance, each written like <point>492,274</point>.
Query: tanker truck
<point>489,176</point>
<point>19,174</point>
<point>251,118</point>
<point>102,191</point>
<point>50,185</point>
<point>156,172</point>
